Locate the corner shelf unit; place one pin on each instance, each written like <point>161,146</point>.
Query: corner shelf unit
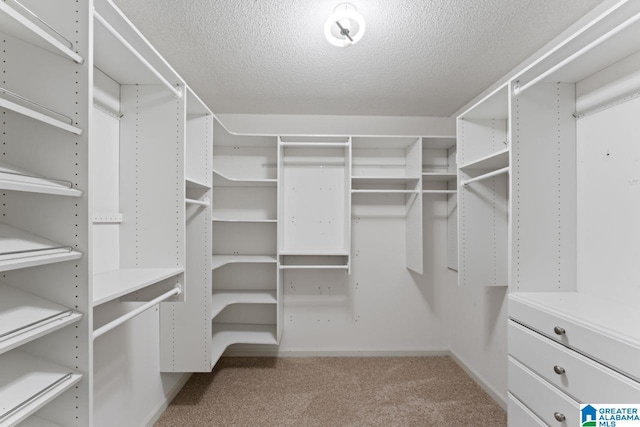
<point>483,191</point>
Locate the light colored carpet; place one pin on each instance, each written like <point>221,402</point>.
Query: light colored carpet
<point>407,391</point>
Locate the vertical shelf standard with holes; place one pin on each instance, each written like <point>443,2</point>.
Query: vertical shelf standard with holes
<point>440,183</point>
<point>45,307</point>
<point>246,298</point>
<point>483,192</point>
<point>187,328</point>
<point>386,181</point>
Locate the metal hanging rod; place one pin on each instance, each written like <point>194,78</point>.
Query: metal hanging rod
<point>176,91</point>
<point>101,107</point>
<point>43,22</point>
<point>204,202</point>
<point>68,248</point>
<point>486,175</point>
<point>27,100</point>
<point>606,36</point>
<point>120,320</point>
<point>606,106</point>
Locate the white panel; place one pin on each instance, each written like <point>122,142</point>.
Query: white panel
<point>452,218</point>
<point>244,203</point>
<point>242,162</point>
<point>244,238</point>
<point>479,138</point>
<point>544,201</point>
<point>609,203</point>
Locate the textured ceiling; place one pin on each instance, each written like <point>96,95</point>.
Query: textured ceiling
<point>417,58</point>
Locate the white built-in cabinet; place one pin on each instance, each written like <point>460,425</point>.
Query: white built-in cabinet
<point>548,204</point>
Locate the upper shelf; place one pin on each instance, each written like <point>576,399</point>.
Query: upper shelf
<point>493,161</point>
<point>223,298</point>
<point>25,317</point>
<point>218,261</point>
<point>114,284</point>
<point>20,249</point>
<point>23,24</point>
<point>373,180</point>
<point>439,177</point>
<point>220,180</point>
<point>29,383</point>
<point>441,143</point>
<point>13,178</point>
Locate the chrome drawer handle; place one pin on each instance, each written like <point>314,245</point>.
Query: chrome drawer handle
<point>559,417</point>
<point>559,331</point>
<point>558,370</point>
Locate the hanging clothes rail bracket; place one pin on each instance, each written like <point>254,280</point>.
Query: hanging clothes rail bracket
<point>120,320</point>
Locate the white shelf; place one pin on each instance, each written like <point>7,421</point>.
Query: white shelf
<point>382,191</point>
<point>314,267</point>
<point>192,183</point>
<point>34,421</point>
<point>114,284</point>
<point>28,383</point>
<point>25,317</point>
<point>218,261</point>
<point>495,160</point>
<point>440,143</point>
<point>15,23</point>
<point>17,179</point>
<point>20,249</point>
<point>224,298</point>
<point>220,180</point>
<point>315,252</point>
<point>439,177</point>
<point>256,221</point>
<point>36,115</point>
<point>439,191</point>
<point>226,334</point>
<point>375,180</point>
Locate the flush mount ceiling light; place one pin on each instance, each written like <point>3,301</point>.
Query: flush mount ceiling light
<point>345,27</point>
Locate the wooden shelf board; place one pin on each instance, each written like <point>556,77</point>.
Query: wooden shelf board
<point>225,298</point>
<point>17,25</point>
<point>29,383</point>
<point>492,161</point>
<point>114,284</point>
<point>25,317</point>
<point>218,261</point>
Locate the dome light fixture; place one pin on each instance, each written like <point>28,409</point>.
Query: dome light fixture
<point>345,27</point>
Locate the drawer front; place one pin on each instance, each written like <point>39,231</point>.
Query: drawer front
<point>583,379</point>
<point>519,416</point>
<point>544,400</point>
<point>620,355</point>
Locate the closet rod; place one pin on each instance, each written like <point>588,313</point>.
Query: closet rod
<point>486,175</point>
<point>176,92</point>
<point>517,90</point>
<point>204,202</point>
<point>314,144</point>
<point>28,101</point>
<point>120,320</point>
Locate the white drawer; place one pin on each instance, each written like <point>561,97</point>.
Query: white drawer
<point>547,402</point>
<point>519,415</point>
<point>583,379</point>
<point>603,330</point>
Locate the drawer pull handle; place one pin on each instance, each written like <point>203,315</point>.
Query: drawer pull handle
<point>558,370</point>
<point>559,331</point>
<point>559,416</point>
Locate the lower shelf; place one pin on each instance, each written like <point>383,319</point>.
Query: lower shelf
<point>224,298</point>
<point>34,421</point>
<point>27,383</point>
<point>218,261</point>
<point>25,317</point>
<point>226,334</point>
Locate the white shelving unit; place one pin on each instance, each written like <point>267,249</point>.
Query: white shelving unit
<point>483,191</point>
<point>44,298</point>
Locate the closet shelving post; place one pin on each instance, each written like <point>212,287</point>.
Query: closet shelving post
<point>186,328</point>
<point>483,191</point>
<point>314,203</point>
<point>45,309</point>
<point>137,144</point>
<point>387,171</point>
<point>246,305</point>
<point>575,221</point>
<point>439,179</point>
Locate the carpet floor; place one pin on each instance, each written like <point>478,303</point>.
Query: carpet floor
<point>398,391</point>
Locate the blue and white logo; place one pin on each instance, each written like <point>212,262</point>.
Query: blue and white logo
<point>596,415</point>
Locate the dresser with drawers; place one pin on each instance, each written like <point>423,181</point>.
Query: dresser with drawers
<point>567,349</point>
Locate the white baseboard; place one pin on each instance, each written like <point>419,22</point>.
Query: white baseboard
<point>155,415</point>
<point>488,388</point>
<point>275,352</point>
